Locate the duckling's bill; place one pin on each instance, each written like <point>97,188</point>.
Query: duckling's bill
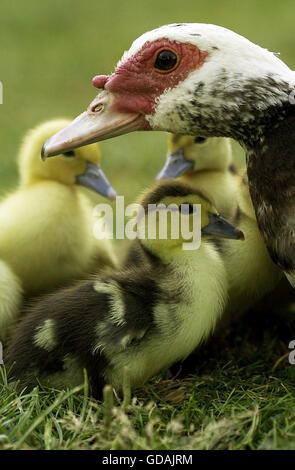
<point>219,227</point>
<point>95,179</point>
<point>175,166</point>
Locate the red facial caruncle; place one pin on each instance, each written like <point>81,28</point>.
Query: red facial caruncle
<point>129,94</point>
<point>136,83</point>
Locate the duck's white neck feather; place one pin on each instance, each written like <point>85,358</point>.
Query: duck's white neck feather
<point>220,103</point>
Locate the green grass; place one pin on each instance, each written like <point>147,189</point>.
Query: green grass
<point>232,397</point>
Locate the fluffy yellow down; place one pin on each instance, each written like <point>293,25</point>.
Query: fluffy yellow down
<point>10,298</point>
<point>251,272</point>
<point>46,237</point>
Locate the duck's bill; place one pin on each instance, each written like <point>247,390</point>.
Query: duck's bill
<point>221,228</point>
<point>100,121</point>
<point>95,179</point>
<point>175,166</point>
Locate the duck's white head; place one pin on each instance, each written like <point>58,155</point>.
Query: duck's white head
<point>195,79</point>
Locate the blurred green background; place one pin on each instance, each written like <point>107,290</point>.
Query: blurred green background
<point>51,50</point>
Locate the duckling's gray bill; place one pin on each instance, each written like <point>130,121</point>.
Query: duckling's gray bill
<point>95,179</point>
<point>175,166</point>
<point>219,227</point>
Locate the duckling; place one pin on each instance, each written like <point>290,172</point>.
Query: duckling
<point>145,316</point>
<point>11,293</point>
<point>206,164</point>
<point>250,270</point>
<point>46,236</point>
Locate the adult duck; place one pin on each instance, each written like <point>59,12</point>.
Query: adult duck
<point>206,80</point>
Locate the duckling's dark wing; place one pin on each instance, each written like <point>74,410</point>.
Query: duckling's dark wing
<point>57,332</point>
<point>81,327</point>
<point>132,298</point>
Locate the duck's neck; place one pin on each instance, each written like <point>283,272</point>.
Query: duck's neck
<point>271,168</point>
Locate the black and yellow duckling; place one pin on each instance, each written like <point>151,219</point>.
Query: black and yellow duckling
<point>145,316</point>
<point>206,164</point>
<point>46,237</point>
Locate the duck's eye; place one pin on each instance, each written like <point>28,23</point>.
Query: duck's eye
<point>166,60</point>
<point>71,153</point>
<point>187,208</point>
<point>200,140</point>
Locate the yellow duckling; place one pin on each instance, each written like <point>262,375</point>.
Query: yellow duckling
<point>251,272</point>
<point>206,164</point>
<point>46,234</point>
<point>146,316</point>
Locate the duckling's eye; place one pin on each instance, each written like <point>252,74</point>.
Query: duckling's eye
<point>200,140</point>
<point>187,208</point>
<point>166,61</point>
<point>71,153</point>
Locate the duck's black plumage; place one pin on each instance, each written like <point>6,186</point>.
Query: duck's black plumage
<point>271,170</point>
